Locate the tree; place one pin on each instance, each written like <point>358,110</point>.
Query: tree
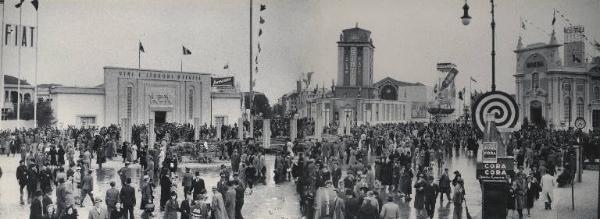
<point>260,104</point>
<point>278,110</point>
<point>45,114</point>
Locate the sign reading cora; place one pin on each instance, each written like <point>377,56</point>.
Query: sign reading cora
<point>160,99</point>
<point>496,171</point>
<point>19,35</point>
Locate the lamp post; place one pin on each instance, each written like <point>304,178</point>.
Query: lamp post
<point>466,20</point>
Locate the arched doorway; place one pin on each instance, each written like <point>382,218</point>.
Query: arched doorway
<point>535,113</point>
<point>388,92</point>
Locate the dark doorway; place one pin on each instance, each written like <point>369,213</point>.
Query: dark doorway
<point>160,117</point>
<point>535,112</point>
<point>596,119</point>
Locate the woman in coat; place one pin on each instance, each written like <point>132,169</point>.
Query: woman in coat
<point>218,205</point>
<point>520,193</point>
<point>533,193</point>
<point>172,207</point>
<point>419,203</point>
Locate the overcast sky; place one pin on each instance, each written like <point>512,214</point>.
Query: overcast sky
<point>79,37</point>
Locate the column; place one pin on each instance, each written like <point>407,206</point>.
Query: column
<point>151,134</point>
<point>266,133</point>
<point>196,128</point>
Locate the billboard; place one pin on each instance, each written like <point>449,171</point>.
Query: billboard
<point>222,82</point>
<point>418,110</point>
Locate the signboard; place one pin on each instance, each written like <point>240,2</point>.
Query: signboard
<point>222,82</point>
<point>499,171</point>
<point>489,152</point>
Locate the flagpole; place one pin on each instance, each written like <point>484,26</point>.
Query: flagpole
<point>251,78</point>
<point>35,88</point>
<point>2,55</point>
<point>181,64</point>
<point>139,56</point>
<point>19,58</point>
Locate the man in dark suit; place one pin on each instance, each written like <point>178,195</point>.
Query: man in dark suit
<point>128,198</point>
<point>87,186</point>
<point>186,206</point>
<point>198,185</point>
<point>36,208</point>
<point>187,180</point>
<point>22,177</point>
<point>112,198</point>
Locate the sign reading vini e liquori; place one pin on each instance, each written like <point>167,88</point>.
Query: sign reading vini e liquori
<point>222,82</point>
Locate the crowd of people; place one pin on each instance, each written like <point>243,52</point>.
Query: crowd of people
<point>366,174</point>
<point>363,175</point>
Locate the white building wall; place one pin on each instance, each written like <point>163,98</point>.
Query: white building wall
<point>228,108</point>
<point>68,108</point>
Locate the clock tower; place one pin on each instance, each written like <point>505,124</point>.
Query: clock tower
<point>355,64</point>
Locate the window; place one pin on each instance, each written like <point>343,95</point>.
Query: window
<point>87,121</point>
<point>597,92</point>
<point>5,113</point>
<point>535,81</point>
<point>580,107</point>
<point>191,102</point>
<point>567,108</point>
<point>129,101</point>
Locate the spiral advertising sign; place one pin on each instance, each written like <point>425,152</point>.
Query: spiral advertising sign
<point>501,105</point>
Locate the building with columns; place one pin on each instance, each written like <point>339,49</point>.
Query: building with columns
<point>557,90</point>
<point>355,99</point>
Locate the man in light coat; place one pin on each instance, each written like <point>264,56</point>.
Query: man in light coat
<point>548,183</point>
<point>390,210</point>
<point>98,212</point>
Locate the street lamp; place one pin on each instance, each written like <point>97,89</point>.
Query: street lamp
<point>466,19</point>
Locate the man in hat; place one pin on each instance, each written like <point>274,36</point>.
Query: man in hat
<point>431,191</point>
<point>186,206</point>
<point>198,186</point>
<point>325,200</point>
<point>222,186</point>
<point>187,180</point>
<point>87,186</point>
<point>36,208</point>
<point>127,197</point>
<point>240,189</point>
<point>98,212</point>
<point>124,173</point>
<point>444,186</point>
<point>112,198</point>
<point>147,188</point>
<point>22,177</point>
<point>390,210</point>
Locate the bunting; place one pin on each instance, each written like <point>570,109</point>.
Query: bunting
<point>18,5</point>
<point>35,4</point>
<point>186,51</point>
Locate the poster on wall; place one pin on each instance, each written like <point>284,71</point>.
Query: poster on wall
<point>418,110</point>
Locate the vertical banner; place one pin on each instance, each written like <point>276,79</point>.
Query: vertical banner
<point>266,133</point>
<point>219,133</point>
<point>359,66</point>
<point>241,128</point>
<point>125,131</point>
<point>293,127</point>
<point>196,128</point>
<point>151,134</point>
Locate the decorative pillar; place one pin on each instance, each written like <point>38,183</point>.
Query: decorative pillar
<point>240,128</point>
<point>266,133</point>
<point>294,127</point>
<point>151,134</point>
<point>125,130</point>
<point>196,128</point>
